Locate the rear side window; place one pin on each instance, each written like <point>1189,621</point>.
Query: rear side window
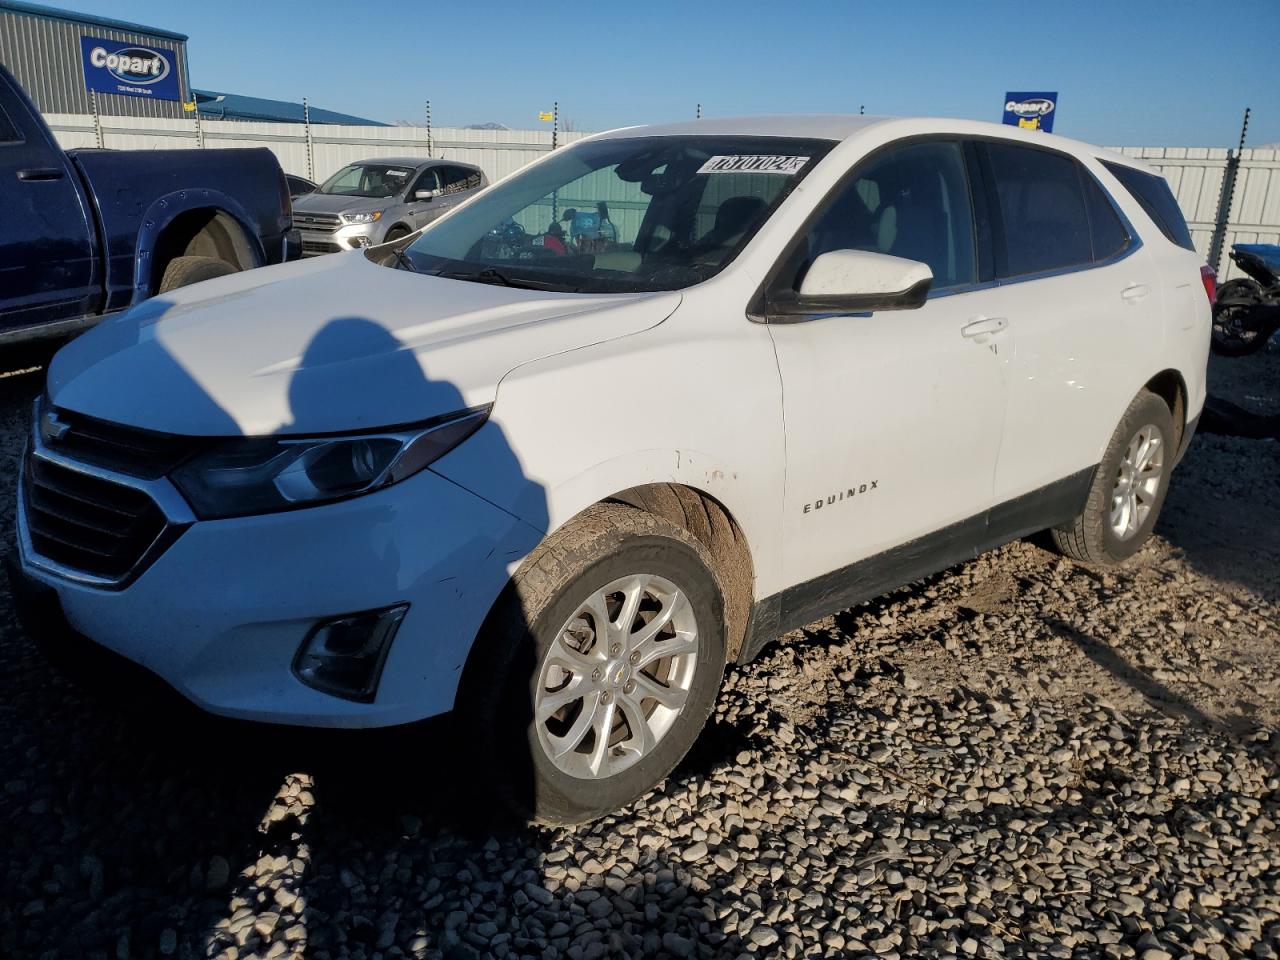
<point>1109,234</point>
<point>1157,200</point>
<point>1042,207</point>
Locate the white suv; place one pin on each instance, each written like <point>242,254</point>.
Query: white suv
<point>617,421</point>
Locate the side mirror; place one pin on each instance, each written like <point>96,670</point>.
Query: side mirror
<point>857,281</point>
<point>424,195</point>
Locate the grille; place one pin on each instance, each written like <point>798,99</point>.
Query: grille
<point>88,523</point>
<point>317,221</point>
<point>312,247</point>
<point>139,453</point>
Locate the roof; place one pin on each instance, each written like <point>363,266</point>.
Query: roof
<point>417,162</point>
<point>234,106</point>
<point>822,126</point>
<point>70,16</point>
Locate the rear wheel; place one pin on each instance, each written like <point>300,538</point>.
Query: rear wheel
<point>184,271</point>
<point>597,671</point>
<point>1234,335</point>
<point>1128,487</point>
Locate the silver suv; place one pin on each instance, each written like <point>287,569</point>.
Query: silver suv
<point>373,201</point>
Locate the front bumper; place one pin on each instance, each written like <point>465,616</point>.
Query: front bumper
<point>353,236</point>
<point>219,615</point>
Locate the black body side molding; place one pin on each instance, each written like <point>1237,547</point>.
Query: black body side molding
<point>866,579</point>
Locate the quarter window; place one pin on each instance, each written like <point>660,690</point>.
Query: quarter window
<point>8,132</point>
<point>1157,200</point>
<point>1042,207</point>
<point>911,202</point>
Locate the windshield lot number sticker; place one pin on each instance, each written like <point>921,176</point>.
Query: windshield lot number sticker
<point>754,164</point>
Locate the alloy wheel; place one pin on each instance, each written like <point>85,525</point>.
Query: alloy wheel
<point>616,676</point>
<point>1138,479</point>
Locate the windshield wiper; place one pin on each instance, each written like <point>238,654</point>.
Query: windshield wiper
<point>490,275</point>
<point>402,258</point>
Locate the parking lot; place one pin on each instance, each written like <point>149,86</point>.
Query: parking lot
<point>1019,757</point>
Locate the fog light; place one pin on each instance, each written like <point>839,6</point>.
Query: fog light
<point>358,242</point>
<point>344,656</point>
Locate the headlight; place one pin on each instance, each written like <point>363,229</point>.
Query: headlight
<point>266,474</point>
<point>361,217</point>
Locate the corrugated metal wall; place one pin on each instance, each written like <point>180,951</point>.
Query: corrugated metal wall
<point>1195,173</point>
<point>497,152</point>
<point>44,55</point>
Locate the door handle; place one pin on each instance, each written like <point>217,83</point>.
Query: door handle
<point>40,173</point>
<point>1134,292</point>
<point>983,326</point>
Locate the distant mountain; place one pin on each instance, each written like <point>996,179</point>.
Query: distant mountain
<point>491,125</point>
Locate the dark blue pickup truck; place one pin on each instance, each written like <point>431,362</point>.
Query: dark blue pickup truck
<point>88,232</point>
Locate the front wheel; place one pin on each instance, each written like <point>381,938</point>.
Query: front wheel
<point>1128,487</point>
<point>597,670</point>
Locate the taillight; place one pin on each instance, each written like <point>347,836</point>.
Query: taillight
<point>1210,280</point>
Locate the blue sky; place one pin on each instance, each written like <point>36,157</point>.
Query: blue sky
<point>1129,72</point>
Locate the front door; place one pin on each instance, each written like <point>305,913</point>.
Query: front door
<point>46,248</point>
<point>893,419</point>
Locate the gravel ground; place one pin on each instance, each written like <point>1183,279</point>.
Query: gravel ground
<point>1017,758</point>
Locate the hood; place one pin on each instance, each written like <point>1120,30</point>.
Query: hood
<point>335,203</point>
<point>326,345</point>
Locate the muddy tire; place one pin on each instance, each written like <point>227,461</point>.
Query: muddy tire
<point>1128,488</point>
<point>596,670</point>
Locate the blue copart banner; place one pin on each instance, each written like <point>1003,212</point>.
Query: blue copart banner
<point>130,69</point>
<point>1031,110</point>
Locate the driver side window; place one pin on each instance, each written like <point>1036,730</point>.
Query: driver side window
<point>911,202</point>
<point>426,181</point>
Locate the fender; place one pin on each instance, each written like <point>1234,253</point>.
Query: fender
<point>160,216</point>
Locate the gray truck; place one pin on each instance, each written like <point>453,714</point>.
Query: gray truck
<point>374,201</point>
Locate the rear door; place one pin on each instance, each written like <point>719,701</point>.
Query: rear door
<point>47,253</point>
<point>1083,303</point>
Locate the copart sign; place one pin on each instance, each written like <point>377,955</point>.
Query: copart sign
<point>129,69</point>
<point>1031,111</point>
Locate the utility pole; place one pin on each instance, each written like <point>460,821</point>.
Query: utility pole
<point>306,120</point>
<point>429,146</point>
<point>555,124</point>
<point>698,113</point>
<point>97,120</point>
<point>1226,199</point>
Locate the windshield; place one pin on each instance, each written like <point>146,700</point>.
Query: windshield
<point>620,215</point>
<point>378,180</point>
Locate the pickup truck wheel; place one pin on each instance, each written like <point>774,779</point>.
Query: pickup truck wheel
<point>1128,487</point>
<point>184,271</point>
<point>597,671</point>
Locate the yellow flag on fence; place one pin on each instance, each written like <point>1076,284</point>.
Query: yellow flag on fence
<point>545,115</point>
<point>189,107</point>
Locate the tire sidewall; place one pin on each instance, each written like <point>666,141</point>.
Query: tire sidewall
<point>184,271</point>
<point>559,797</point>
<point>1149,409</point>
